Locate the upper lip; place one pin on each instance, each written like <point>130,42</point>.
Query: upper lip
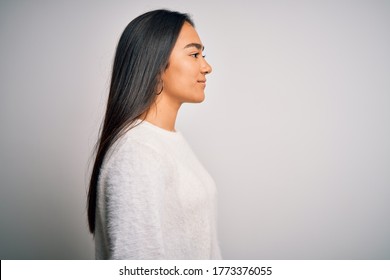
<point>201,81</point>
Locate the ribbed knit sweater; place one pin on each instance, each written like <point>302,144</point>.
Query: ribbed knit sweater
<point>154,199</point>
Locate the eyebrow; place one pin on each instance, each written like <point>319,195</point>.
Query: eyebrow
<point>196,45</point>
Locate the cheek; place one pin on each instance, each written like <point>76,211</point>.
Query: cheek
<point>180,75</point>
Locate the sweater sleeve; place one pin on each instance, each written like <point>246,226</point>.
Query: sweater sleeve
<point>134,186</point>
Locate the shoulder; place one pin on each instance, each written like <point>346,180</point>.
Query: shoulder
<point>133,164</point>
<point>139,147</point>
<point>129,153</point>
<point>145,147</point>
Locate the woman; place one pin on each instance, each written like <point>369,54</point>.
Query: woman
<point>149,197</point>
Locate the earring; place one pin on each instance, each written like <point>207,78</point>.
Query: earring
<point>162,87</point>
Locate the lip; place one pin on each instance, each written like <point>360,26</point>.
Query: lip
<point>203,83</point>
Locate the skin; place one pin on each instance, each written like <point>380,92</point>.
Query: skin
<point>184,80</point>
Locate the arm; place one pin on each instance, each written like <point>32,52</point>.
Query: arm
<point>134,197</point>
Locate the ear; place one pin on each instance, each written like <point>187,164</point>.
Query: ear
<point>162,75</point>
<point>160,87</point>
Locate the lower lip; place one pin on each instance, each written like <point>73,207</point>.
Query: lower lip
<point>202,83</point>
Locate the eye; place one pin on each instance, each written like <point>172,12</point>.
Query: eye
<point>196,55</point>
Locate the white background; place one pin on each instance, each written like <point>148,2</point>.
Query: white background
<point>295,128</point>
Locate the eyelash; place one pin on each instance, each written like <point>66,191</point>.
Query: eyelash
<point>195,55</point>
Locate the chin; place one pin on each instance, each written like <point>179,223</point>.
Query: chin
<point>199,99</point>
<point>195,97</point>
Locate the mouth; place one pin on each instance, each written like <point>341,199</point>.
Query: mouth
<point>202,83</point>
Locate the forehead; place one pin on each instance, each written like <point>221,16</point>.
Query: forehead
<point>187,35</point>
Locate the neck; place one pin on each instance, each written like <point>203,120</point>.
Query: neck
<point>162,114</point>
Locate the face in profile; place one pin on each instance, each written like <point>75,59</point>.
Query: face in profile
<point>185,78</point>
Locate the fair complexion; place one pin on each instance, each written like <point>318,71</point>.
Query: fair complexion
<point>184,80</point>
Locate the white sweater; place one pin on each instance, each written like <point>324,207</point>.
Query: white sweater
<point>155,200</point>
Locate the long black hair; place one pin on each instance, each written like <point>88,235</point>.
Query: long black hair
<point>141,56</point>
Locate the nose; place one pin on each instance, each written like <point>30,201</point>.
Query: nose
<point>206,68</point>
